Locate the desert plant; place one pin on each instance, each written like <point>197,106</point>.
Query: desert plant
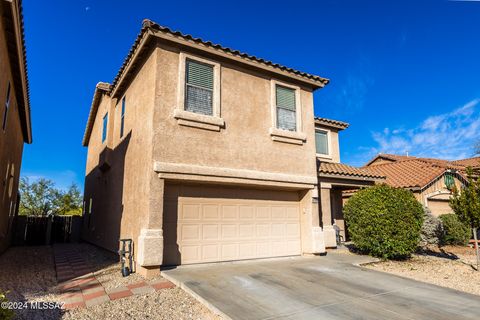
<point>5,313</point>
<point>454,231</point>
<point>384,221</point>
<point>432,229</point>
<point>466,205</point>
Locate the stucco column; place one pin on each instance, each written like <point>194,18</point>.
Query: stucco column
<point>150,240</point>
<point>318,239</point>
<point>326,210</point>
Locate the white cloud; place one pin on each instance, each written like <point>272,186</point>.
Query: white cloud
<point>447,136</point>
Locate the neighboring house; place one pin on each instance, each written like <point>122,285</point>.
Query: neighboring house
<point>15,124</point>
<point>430,180</point>
<point>200,153</point>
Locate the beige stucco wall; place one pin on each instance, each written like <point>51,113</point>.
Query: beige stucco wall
<point>11,146</point>
<point>245,143</point>
<point>128,198</point>
<point>120,195</point>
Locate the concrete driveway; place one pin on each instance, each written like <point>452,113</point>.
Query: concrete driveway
<point>328,287</point>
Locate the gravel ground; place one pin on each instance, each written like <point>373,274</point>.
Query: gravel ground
<point>448,266</point>
<point>107,267</point>
<point>28,274</point>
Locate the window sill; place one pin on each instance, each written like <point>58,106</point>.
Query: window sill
<point>288,136</point>
<point>324,157</point>
<point>195,120</point>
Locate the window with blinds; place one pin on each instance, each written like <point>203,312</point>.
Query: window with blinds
<point>321,142</point>
<point>198,87</point>
<point>122,118</point>
<point>104,128</point>
<point>286,108</point>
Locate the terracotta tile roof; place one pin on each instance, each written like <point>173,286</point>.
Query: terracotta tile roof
<point>469,162</point>
<point>331,123</point>
<point>151,25</point>
<point>341,169</point>
<point>447,164</point>
<point>412,173</point>
<point>149,28</point>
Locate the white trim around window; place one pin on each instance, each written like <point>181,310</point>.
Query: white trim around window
<point>329,144</point>
<point>212,122</point>
<point>280,135</point>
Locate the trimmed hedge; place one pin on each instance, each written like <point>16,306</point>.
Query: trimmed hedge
<point>454,231</point>
<point>384,222</point>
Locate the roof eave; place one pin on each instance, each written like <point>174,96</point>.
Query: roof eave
<point>350,177</point>
<point>150,29</point>
<point>100,89</point>
<point>23,99</point>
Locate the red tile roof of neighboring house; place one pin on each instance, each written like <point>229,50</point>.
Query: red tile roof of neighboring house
<point>413,172</point>
<point>340,169</point>
<point>469,162</point>
<point>408,174</point>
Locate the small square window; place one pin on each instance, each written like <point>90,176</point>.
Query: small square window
<point>321,142</point>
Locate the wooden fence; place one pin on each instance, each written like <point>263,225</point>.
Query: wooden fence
<point>31,230</point>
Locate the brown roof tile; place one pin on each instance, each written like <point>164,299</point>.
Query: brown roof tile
<point>341,169</point>
<point>331,123</point>
<point>412,173</point>
<point>469,162</point>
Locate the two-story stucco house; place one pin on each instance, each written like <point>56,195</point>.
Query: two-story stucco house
<point>15,127</point>
<point>200,153</point>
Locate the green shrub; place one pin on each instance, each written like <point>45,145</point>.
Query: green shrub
<point>454,231</point>
<point>4,312</point>
<point>384,222</point>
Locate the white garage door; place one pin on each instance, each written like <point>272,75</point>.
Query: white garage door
<point>210,230</point>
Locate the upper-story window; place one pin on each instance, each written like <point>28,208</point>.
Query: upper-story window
<point>199,95</point>
<point>286,108</point>
<point>321,142</point>
<point>7,105</point>
<point>122,118</point>
<point>104,127</point>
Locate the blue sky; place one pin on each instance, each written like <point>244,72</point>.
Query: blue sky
<point>404,74</point>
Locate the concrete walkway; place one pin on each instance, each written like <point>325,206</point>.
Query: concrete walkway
<point>329,287</point>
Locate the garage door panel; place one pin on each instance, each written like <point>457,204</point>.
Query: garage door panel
<point>229,212</point>
<point>190,212</point>
<point>278,213</point>
<point>210,212</point>
<point>247,212</point>
<point>190,232</point>
<point>210,229</point>
<point>246,231</point>
<point>210,232</point>
<point>263,230</point>
<point>263,213</point>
